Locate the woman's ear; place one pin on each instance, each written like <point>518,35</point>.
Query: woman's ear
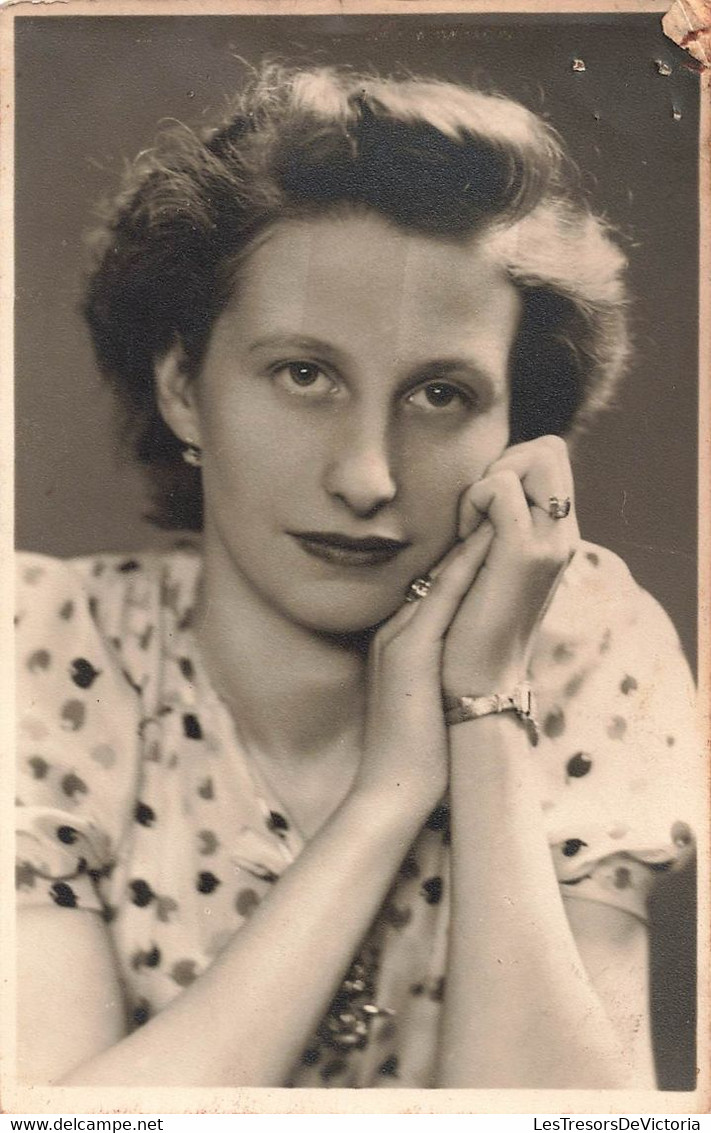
<point>176,396</point>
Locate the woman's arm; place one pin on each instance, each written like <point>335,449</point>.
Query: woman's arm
<point>247,1018</point>
<point>521,1009</point>
<point>533,999</point>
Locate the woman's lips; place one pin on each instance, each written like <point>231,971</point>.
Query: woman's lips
<point>344,550</point>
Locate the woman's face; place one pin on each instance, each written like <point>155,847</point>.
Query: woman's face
<point>354,387</point>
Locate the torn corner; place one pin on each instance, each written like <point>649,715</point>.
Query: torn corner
<point>688,23</point>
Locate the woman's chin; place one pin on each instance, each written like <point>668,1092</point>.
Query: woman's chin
<point>348,618</point>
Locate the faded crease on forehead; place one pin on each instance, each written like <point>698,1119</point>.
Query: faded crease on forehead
<point>362,279</point>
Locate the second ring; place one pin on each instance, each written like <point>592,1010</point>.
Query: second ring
<point>419,588</point>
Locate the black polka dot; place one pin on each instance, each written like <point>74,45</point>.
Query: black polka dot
<point>83,672</point>
<point>574,685</point>
<point>336,1066</point>
<point>144,814</point>
<point>439,818</point>
<point>186,620</point>
<point>152,959</point>
<point>592,558</point>
<point>671,740</point>
<point>141,893</point>
<point>127,566</point>
<point>387,1031</point>
<point>191,726</point>
<point>417,989</point>
<point>206,882</point>
<point>246,902</point>
<point>681,834</point>
<point>437,992</point>
<point>208,840</point>
<point>277,821</point>
<point>73,785</point>
<point>144,638</point>
<point>186,668</point>
<point>572,847</point>
<point>24,876</point>
<point>578,765</point>
<point>409,868</point>
<point>617,727</point>
<point>141,1012</point>
<point>554,723</point>
<point>73,714</point>
<point>628,684</point>
<point>164,908</point>
<point>389,1068</point>
<point>432,890</point>
<point>310,1057</point>
<point>39,766</point>
<point>64,895</point>
<point>145,958</point>
<point>206,790</point>
<point>623,877</point>
<point>67,834</point>
<point>184,973</point>
<point>39,661</point>
<point>109,914</point>
<point>397,917</point>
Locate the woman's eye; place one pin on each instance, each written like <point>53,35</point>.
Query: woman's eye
<point>303,378</point>
<point>439,395</point>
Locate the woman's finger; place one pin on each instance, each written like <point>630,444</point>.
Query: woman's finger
<point>501,497</point>
<point>545,473</point>
<point>450,581</point>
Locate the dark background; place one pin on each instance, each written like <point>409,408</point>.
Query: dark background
<point>89,94</point>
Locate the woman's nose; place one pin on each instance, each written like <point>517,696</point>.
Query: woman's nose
<point>360,472</point>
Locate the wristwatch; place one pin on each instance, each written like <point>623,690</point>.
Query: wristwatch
<point>522,701</point>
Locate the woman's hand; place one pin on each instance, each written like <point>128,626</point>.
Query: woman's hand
<point>489,644</point>
<point>405,753</point>
<point>473,632</point>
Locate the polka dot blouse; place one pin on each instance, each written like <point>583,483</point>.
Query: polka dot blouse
<point>136,802</point>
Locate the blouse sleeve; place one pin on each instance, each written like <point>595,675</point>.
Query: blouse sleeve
<point>620,754</point>
<point>77,726</point>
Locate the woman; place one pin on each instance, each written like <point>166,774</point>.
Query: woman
<point>305,803</point>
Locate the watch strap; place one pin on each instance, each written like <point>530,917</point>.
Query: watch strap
<point>522,701</point>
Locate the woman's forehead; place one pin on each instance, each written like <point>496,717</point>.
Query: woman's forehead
<point>360,275</point>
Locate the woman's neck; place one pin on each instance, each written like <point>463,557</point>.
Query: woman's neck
<point>294,694</point>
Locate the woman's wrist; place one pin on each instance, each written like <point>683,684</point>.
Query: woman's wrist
<point>494,748</point>
<point>493,682</point>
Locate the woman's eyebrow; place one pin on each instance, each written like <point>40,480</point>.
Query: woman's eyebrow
<point>294,342</point>
<point>454,365</point>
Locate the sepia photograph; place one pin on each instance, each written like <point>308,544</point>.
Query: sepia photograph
<point>356,462</point>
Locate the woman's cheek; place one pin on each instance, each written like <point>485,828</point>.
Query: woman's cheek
<point>441,473</point>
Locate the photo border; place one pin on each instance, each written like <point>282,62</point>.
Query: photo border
<point>15,1098</point>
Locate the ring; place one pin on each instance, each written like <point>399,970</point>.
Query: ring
<point>419,588</point>
<point>558,508</point>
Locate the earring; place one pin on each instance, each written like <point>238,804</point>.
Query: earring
<point>192,454</point>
